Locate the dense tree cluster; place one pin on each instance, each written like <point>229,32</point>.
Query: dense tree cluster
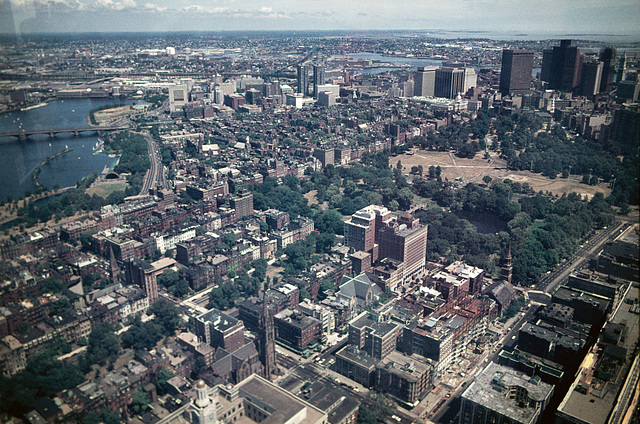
<point>167,316</point>
<point>175,285</point>
<point>43,376</point>
<point>553,153</point>
<point>142,335</point>
<point>453,238</point>
<point>103,345</point>
<point>226,294</point>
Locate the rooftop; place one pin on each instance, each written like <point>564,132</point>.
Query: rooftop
<point>281,406</point>
<point>489,387</point>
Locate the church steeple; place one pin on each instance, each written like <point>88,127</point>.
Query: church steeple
<point>113,267</point>
<point>267,338</point>
<point>507,267</point>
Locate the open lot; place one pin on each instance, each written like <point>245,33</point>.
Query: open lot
<point>105,189</point>
<point>473,170</point>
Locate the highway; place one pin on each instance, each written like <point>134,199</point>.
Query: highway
<point>156,175</point>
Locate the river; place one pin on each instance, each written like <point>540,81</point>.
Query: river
<point>18,159</point>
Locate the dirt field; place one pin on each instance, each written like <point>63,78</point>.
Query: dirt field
<point>311,197</point>
<point>473,170</point>
<point>470,170</point>
<point>108,115</point>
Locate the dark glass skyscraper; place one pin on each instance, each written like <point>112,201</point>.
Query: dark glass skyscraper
<point>515,76</point>
<point>562,66</point>
<point>303,79</point>
<point>318,78</point>
<point>608,58</point>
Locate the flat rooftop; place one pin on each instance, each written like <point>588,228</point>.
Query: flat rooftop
<point>489,387</point>
<point>591,399</point>
<point>281,405</point>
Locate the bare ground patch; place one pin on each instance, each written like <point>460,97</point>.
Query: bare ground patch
<point>557,186</point>
<point>473,170</point>
<point>452,167</point>
<point>311,197</point>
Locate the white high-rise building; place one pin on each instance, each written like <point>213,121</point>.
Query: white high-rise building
<point>424,81</point>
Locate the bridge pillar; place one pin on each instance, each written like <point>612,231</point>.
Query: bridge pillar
<point>77,133</point>
<point>52,134</point>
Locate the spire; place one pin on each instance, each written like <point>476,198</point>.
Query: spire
<point>507,267</point>
<point>113,267</point>
<point>267,339</point>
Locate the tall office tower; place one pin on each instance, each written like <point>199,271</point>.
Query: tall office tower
<point>622,67</point>
<point>608,58</point>
<point>450,82</point>
<point>243,204</point>
<point>7,23</point>
<point>408,88</point>
<point>318,78</point>
<point>303,79</point>
<point>144,275</point>
<point>547,62</point>
<point>591,78</point>
<point>515,75</point>
<point>405,240</point>
<point>178,97</point>
<point>561,68</point>
<point>361,231</point>
<point>424,81</point>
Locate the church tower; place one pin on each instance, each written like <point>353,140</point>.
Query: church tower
<point>267,339</point>
<point>507,267</point>
<point>203,409</point>
<point>113,267</point>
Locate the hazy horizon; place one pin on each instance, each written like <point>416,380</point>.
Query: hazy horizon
<point>598,19</point>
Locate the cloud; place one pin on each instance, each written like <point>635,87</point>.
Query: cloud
<point>154,7</point>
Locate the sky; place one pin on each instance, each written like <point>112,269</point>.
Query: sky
<point>600,17</point>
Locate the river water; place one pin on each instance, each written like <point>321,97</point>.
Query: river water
<point>18,159</point>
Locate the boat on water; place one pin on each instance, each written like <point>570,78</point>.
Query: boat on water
<point>33,106</point>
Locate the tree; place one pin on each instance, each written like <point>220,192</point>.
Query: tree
<point>487,179</point>
<point>142,335</point>
<point>140,402</point>
<point>167,315</point>
<point>103,344</point>
<point>164,375</point>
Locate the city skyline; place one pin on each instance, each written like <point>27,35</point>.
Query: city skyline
<point>595,18</point>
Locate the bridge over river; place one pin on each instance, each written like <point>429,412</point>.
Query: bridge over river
<point>22,134</point>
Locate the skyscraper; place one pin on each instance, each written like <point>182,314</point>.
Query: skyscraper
<point>405,240</point>
<point>515,75</point>
<point>608,58</point>
<point>561,67</point>
<point>424,80</point>
<point>591,78</point>
<point>318,78</point>
<point>303,79</point>
<point>361,231</point>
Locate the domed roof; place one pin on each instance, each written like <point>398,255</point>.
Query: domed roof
<point>200,384</point>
